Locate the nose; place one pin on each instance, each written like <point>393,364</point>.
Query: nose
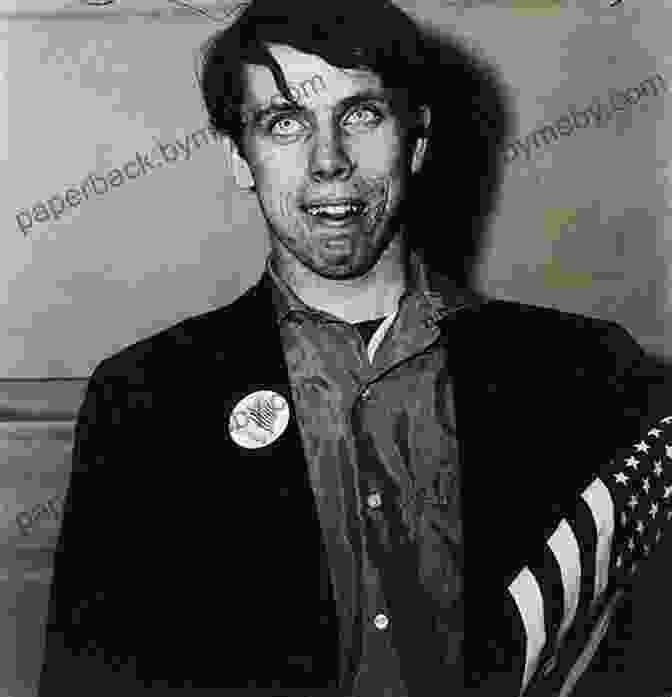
<point>329,160</point>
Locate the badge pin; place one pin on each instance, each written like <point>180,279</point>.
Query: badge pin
<point>258,419</point>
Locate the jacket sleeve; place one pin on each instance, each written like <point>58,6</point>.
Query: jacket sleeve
<point>80,656</point>
<point>641,384</point>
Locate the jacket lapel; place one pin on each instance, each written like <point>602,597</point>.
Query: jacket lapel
<point>270,514</point>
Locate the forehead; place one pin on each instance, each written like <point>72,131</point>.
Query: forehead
<point>314,81</point>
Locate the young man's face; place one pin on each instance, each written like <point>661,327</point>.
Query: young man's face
<point>345,147</point>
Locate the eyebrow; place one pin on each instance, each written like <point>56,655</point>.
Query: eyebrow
<point>368,95</point>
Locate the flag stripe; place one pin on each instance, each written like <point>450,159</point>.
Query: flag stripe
<point>527,594</point>
<point>566,549</point>
<point>584,528</point>
<point>601,505</point>
<point>511,649</point>
<point>547,572</point>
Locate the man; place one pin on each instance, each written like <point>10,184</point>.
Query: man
<point>290,475</point>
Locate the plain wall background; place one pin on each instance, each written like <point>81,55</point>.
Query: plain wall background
<point>583,226</point>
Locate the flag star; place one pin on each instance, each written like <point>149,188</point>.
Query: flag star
<point>632,462</point>
<point>654,432</point>
<point>633,502</point>
<point>668,451</point>
<point>658,468</point>
<point>653,510</point>
<point>666,420</point>
<point>631,544</point>
<point>646,486</point>
<point>642,446</point>
<point>668,492</point>
<point>640,527</point>
<point>621,478</point>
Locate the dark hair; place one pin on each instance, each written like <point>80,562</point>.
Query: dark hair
<point>467,104</point>
<point>342,33</point>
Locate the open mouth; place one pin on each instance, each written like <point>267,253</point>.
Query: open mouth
<point>336,212</point>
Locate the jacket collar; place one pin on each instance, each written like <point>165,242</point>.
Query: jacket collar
<point>440,296</point>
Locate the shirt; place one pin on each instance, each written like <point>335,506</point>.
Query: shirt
<point>378,428</point>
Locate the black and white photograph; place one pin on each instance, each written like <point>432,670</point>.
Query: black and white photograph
<point>336,348</point>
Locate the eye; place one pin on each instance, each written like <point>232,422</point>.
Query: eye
<point>281,126</point>
<point>365,116</point>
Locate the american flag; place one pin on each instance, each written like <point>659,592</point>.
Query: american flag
<point>619,520</point>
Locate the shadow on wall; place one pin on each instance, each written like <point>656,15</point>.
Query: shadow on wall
<point>471,107</point>
<point>456,197</point>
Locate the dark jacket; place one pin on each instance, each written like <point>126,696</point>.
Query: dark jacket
<point>187,561</point>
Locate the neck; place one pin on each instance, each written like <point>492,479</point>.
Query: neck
<point>373,295</point>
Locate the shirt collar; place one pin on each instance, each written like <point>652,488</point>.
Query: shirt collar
<point>438,294</point>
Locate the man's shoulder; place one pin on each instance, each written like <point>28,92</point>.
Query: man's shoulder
<point>548,324</point>
<point>178,346</point>
<point>547,314</point>
<point>546,341</point>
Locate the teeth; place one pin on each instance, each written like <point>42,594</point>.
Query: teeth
<point>340,209</point>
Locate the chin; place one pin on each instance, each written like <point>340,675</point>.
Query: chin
<point>347,266</point>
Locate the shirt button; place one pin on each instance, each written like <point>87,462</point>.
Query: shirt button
<point>381,621</point>
<point>374,500</point>
<point>366,395</point>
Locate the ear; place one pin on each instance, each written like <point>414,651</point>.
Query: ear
<point>421,143</point>
<point>241,170</point>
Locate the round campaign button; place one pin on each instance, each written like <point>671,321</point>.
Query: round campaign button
<point>258,419</point>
